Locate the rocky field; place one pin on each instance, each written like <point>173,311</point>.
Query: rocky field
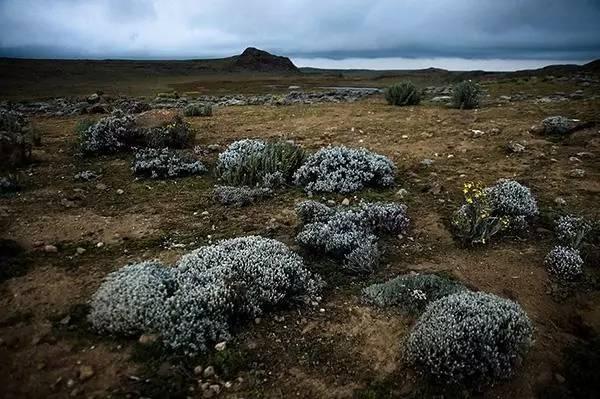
<point>94,189</point>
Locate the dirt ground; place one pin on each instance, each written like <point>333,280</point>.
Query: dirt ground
<point>340,349</point>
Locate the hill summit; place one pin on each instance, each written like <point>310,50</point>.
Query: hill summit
<point>253,59</point>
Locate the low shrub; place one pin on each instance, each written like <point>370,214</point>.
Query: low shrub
<point>198,110</point>
<point>240,195</point>
<point>129,301</point>
<point>510,198</point>
<point>344,170</point>
<point>469,338</point>
<point>175,134</point>
<point>571,230</point>
<point>16,139</point>
<point>251,162</point>
<point>212,288</point>
<point>114,133</point>
<point>466,95</point>
<point>564,263</point>
<point>349,234</point>
<point>86,175</point>
<point>165,163</point>
<point>403,93</point>
<point>411,292</point>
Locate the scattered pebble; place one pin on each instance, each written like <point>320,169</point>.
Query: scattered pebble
<point>208,372</point>
<point>85,373</point>
<point>80,251</point>
<point>120,191</point>
<point>221,346</point>
<point>577,173</point>
<point>346,202</point>
<point>50,249</point>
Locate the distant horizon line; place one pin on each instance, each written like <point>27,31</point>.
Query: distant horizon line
<point>452,64</point>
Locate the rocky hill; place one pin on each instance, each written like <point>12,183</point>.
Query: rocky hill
<point>253,59</point>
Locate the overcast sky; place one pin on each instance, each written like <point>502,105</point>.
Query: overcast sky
<point>329,32</point>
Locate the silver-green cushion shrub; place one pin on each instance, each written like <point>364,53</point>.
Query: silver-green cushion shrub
<point>466,95</point>
<point>403,93</point>
<point>195,304</point>
<point>350,233</point>
<point>510,198</point>
<point>165,163</point>
<point>469,338</point>
<point>240,196</point>
<point>411,292</point>
<point>344,170</point>
<point>110,134</point>
<point>130,300</point>
<point>564,263</point>
<point>228,282</point>
<point>571,230</point>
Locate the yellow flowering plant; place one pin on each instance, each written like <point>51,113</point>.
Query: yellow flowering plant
<point>474,222</point>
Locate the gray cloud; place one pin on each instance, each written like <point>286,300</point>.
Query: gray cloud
<point>517,29</point>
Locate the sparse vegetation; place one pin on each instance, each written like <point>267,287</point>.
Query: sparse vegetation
<point>466,95</point>
<point>403,93</point>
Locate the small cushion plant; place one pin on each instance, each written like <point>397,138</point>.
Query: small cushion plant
<point>469,338</point>
<point>344,170</point>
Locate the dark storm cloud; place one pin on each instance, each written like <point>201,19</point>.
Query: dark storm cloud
<point>518,29</point>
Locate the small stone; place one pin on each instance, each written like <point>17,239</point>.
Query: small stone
<point>100,244</point>
<point>401,193</point>
<point>198,370</point>
<point>70,383</point>
<point>515,147</point>
<point>85,373</point>
<point>216,388</point>
<point>574,159</point>
<point>120,191</point>
<point>101,186</point>
<point>148,339</point>
<point>577,173</point>
<point>209,372</point>
<point>50,249</point>
<point>221,346</point>
<point>477,133</point>
<point>346,202</point>
<point>80,251</point>
<point>560,201</point>
<point>205,213</point>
